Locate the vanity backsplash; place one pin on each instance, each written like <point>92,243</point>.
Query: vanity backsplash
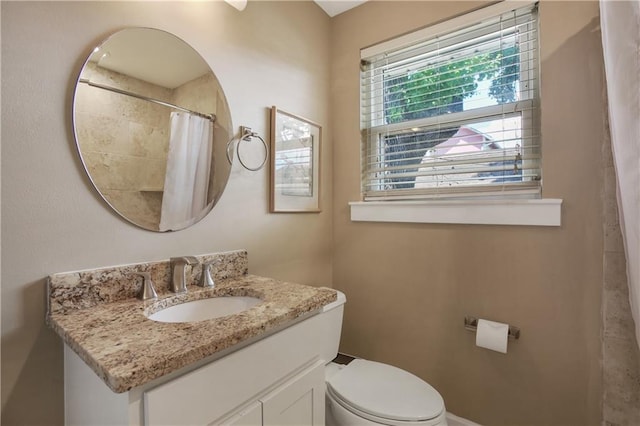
<point>84,289</point>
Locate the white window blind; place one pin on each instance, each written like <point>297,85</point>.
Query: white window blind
<point>455,113</point>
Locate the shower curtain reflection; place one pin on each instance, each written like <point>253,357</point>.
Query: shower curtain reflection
<point>186,182</point>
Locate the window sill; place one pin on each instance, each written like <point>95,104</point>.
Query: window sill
<point>538,212</point>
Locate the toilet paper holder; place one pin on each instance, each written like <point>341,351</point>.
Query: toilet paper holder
<point>471,324</point>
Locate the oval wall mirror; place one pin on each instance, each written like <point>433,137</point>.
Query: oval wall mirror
<point>151,124</point>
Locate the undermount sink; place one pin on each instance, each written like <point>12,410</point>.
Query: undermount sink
<point>204,309</point>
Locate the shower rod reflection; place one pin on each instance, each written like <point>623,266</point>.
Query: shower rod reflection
<point>211,117</point>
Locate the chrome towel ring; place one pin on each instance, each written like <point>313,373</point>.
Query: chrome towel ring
<point>247,135</point>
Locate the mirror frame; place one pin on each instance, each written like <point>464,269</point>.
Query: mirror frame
<point>298,200</point>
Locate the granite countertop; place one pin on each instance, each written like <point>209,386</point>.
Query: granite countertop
<point>126,349</point>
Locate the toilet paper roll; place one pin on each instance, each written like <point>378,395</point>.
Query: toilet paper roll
<point>492,335</point>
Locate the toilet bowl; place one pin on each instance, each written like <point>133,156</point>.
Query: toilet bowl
<point>371,393</point>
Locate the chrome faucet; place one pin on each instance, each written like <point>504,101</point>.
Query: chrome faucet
<point>179,280</point>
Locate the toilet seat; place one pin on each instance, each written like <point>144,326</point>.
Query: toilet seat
<point>384,394</point>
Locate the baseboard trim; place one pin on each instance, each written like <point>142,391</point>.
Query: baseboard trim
<point>454,420</point>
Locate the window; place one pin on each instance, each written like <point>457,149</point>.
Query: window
<point>450,111</point>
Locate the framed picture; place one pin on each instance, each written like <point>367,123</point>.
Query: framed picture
<point>295,163</point>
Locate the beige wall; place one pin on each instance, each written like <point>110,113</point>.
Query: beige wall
<point>409,286</point>
<point>53,221</point>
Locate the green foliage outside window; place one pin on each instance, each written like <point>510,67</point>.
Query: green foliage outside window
<point>439,90</point>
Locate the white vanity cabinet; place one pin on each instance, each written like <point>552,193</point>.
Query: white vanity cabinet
<point>277,380</point>
<point>299,401</point>
<point>207,397</point>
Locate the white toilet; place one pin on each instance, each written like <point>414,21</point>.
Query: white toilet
<point>371,393</point>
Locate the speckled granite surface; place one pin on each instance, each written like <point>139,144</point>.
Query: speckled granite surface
<point>97,315</point>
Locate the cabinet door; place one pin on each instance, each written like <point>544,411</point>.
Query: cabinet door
<point>298,402</point>
<point>251,416</point>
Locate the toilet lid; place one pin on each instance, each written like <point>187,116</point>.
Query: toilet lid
<point>385,391</point>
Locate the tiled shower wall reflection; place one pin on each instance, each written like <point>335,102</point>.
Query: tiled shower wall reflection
<point>124,142</point>
<point>620,355</point>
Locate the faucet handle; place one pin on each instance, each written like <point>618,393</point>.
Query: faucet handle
<point>207,280</point>
<point>147,292</point>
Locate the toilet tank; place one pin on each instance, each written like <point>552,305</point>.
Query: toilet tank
<point>331,328</point>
